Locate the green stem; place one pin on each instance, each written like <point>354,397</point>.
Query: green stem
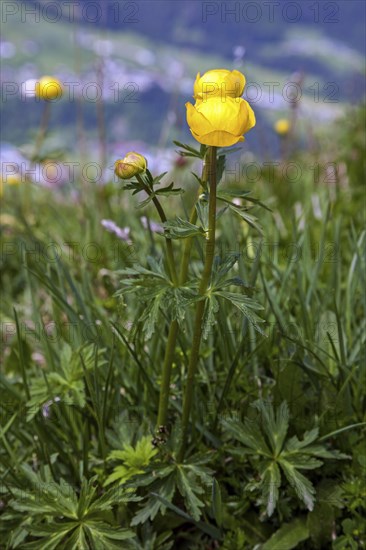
<point>166,374</point>
<point>193,219</point>
<point>173,329</point>
<point>200,308</point>
<point>169,244</point>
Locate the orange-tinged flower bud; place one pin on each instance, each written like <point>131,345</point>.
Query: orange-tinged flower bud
<point>219,122</point>
<point>282,126</point>
<point>219,83</point>
<point>130,166</point>
<point>48,88</point>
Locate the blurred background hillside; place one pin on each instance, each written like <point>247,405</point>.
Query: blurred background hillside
<point>145,54</point>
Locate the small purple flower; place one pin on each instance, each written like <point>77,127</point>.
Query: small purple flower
<point>155,227</point>
<point>121,233</point>
<point>46,406</point>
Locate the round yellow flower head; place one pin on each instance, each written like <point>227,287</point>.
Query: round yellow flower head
<point>48,88</point>
<point>219,83</point>
<point>220,123</point>
<point>282,126</point>
<point>130,166</point>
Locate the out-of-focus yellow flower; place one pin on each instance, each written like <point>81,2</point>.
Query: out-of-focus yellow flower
<point>48,88</point>
<point>282,126</point>
<point>11,179</point>
<point>130,166</point>
<point>219,83</point>
<point>220,122</point>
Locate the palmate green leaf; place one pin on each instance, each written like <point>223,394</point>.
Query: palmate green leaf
<point>288,536</point>
<point>87,494</point>
<point>77,540</point>
<point>135,460</point>
<point>181,229</point>
<point>246,305</point>
<point>221,267</point>
<point>196,466</point>
<point>113,496</point>
<point>68,383</point>
<point>210,315</point>
<point>202,213</point>
<point>207,528</point>
<point>295,445</point>
<point>151,314</point>
<point>270,483</point>
<point>51,509</point>
<point>48,542</point>
<point>103,536</point>
<point>305,447</point>
<point>177,299</point>
<point>279,455</point>
<point>45,497</point>
<point>248,434</point>
<point>274,425</point>
<point>251,220</point>
<point>164,487</point>
<point>303,462</point>
<point>140,276</point>
<point>189,489</point>
<point>228,195</point>
<point>302,486</point>
<point>188,151</point>
<point>169,190</point>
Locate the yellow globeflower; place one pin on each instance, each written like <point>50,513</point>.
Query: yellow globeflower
<point>130,166</point>
<point>219,82</point>
<point>282,126</point>
<point>219,122</point>
<point>48,88</point>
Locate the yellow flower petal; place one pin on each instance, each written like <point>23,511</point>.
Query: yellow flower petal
<point>219,83</point>
<point>223,115</point>
<point>246,117</point>
<point>197,120</point>
<point>218,139</point>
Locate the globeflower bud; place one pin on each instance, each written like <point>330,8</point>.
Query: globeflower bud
<point>48,88</point>
<point>130,166</point>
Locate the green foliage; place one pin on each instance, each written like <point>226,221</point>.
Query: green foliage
<point>265,440</point>
<point>275,455</point>
<point>57,517</point>
<point>134,460</point>
<point>67,384</point>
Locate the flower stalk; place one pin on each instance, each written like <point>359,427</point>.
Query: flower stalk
<point>200,308</point>
<point>169,244</point>
<point>173,329</point>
